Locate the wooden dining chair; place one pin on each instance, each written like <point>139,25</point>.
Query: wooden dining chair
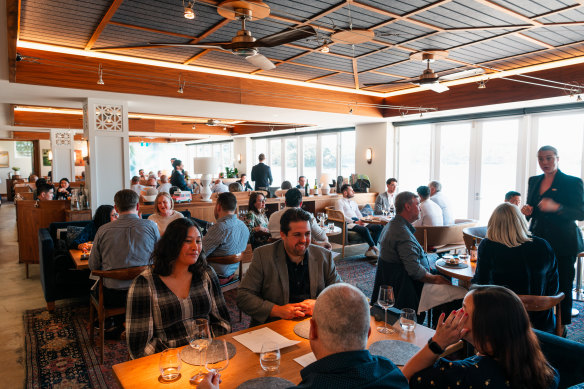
<point>228,260</point>
<point>543,303</point>
<point>347,237</point>
<point>96,304</point>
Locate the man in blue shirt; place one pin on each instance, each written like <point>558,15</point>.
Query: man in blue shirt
<point>227,236</point>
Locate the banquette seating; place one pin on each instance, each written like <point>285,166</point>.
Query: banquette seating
<point>59,277</point>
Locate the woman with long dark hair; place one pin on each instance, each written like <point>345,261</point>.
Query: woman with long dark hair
<point>511,257</point>
<point>495,322</point>
<point>103,214</point>
<point>179,287</point>
<point>256,220</point>
<point>64,190</point>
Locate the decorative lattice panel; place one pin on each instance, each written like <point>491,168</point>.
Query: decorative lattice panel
<point>108,118</point>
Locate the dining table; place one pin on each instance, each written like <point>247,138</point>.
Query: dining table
<point>381,220</point>
<point>144,373</point>
<point>81,261</point>
<point>462,275</point>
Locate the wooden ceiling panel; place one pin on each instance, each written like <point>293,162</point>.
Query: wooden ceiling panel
<point>114,35</point>
<point>341,79</point>
<point>532,8</point>
<point>397,7</point>
<point>291,71</point>
<point>68,22</point>
<point>558,36</point>
<point>148,13</point>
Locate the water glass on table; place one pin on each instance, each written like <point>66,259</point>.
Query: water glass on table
<point>200,338</point>
<point>407,319</point>
<point>270,357</point>
<point>386,300</point>
<point>212,364</point>
<point>170,364</point>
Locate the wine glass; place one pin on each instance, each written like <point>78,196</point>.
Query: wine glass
<point>385,300</point>
<point>384,211</point>
<point>200,338</point>
<point>217,350</point>
<point>324,218</point>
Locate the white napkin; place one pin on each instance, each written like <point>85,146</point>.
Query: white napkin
<point>253,340</point>
<point>305,359</point>
<point>436,294</point>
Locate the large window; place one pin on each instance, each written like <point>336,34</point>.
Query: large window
<point>414,157</point>
<point>222,153</point>
<point>454,165</point>
<point>310,155</point>
<point>564,132</point>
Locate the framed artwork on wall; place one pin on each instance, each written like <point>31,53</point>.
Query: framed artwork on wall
<point>79,158</point>
<point>4,159</point>
<point>46,160</point>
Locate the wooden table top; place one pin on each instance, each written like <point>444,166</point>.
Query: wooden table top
<point>375,220</point>
<point>143,373</point>
<point>335,231</point>
<point>465,274</point>
<point>80,263</point>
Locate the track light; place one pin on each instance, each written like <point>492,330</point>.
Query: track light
<point>194,127</point>
<point>579,98</point>
<point>189,13</point>
<point>482,84</point>
<point>100,75</point>
<point>181,84</point>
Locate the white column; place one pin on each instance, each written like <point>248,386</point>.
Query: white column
<point>380,138</point>
<point>242,147</point>
<point>106,129</point>
<point>63,150</point>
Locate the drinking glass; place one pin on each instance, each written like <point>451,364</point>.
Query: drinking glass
<point>200,338</point>
<point>331,226</point>
<point>386,300</point>
<point>324,218</point>
<point>270,357</point>
<point>212,365</point>
<point>384,211</point>
<point>407,319</point>
<point>170,364</point>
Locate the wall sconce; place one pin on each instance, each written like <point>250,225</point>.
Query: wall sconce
<point>50,155</point>
<point>369,155</point>
<point>239,158</point>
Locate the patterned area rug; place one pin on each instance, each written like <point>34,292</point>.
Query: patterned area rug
<point>59,355</point>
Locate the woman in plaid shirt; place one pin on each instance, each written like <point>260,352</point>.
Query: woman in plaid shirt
<point>178,288</point>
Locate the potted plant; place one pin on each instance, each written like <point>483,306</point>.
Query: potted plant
<point>16,170</point>
<point>231,173</point>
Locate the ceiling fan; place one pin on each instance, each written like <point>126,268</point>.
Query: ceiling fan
<point>244,44</point>
<point>429,79</point>
<point>231,124</point>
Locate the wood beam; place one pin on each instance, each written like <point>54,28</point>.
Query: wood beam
<point>152,30</point>
<point>196,56</point>
<point>536,41</point>
<point>355,73</point>
<point>321,77</point>
<point>491,4</point>
<point>12,35</point>
<point>103,23</point>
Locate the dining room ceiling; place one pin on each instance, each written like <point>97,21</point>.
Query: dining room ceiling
<point>369,41</point>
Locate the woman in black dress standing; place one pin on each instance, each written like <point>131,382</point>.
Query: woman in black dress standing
<point>554,202</point>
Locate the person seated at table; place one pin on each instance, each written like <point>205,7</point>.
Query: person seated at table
<point>511,257</point>
<point>64,190</point>
<point>164,212</point>
<point>219,187</point>
<point>301,183</point>
<point>234,187</point>
<point>126,242</point>
<point>339,343</point>
<point>513,197</point>
<point>177,178</point>
<point>257,221</point>
<point>141,174</point>
<point>228,236</point>
<point>164,184</point>
<point>294,200</point>
<point>494,321</point>
<point>403,263</point>
<point>103,215</point>
<point>246,187</point>
<point>45,191</point>
<point>386,200</point>
<point>286,276</point>
<point>430,212</point>
<point>368,232</point>
<point>179,287</point>
<point>286,185</point>
<point>135,185</point>
<point>437,196</point>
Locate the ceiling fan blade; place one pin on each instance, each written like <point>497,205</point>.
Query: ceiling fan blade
<point>286,36</point>
<point>214,45</point>
<point>462,74</point>
<point>436,87</point>
<point>388,83</point>
<point>260,61</point>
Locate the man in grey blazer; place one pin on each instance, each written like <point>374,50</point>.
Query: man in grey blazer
<point>285,277</point>
<point>386,200</point>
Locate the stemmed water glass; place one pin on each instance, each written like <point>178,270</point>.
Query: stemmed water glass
<point>386,300</point>
<point>384,211</point>
<point>200,338</point>
<point>216,362</point>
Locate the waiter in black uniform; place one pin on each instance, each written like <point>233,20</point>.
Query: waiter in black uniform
<point>261,174</point>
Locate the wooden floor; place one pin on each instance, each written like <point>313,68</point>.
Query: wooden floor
<point>17,294</point>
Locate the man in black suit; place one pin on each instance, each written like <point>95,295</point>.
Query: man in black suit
<point>261,174</point>
<point>554,202</point>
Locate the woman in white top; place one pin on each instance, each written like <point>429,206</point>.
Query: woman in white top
<point>164,212</point>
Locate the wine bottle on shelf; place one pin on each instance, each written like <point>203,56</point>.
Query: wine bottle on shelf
<point>315,187</point>
<point>306,191</point>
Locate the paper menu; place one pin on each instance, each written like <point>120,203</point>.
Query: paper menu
<point>253,340</point>
<point>305,359</point>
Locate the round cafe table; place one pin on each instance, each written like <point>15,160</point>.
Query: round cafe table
<point>463,275</point>
<point>335,231</point>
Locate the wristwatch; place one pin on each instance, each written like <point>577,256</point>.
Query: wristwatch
<point>435,347</point>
